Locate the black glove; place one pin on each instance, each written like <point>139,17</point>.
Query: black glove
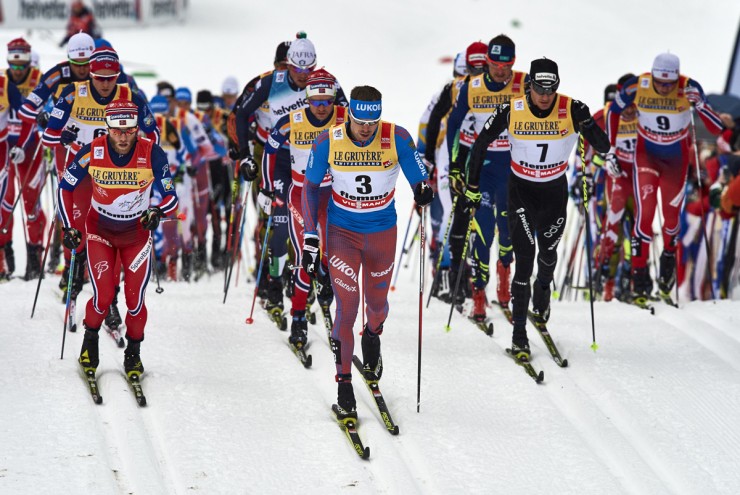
<point>311,257</point>
<point>472,197</point>
<point>72,238</point>
<point>248,168</point>
<point>580,111</point>
<point>423,194</point>
<point>233,151</point>
<point>150,218</point>
<point>457,184</point>
<point>191,170</point>
<point>42,119</point>
<point>69,135</point>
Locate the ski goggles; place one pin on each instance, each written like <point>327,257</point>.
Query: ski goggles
<point>105,78</point>
<point>665,84</point>
<point>500,65</point>
<point>121,131</point>
<point>18,67</point>
<point>320,103</point>
<point>542,90</point>
<point>79,62</point>
<point>301,70</point>
<point>362,122</point>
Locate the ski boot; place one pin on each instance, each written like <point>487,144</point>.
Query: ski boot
<point>89,357</point>
<point>172,268</point>
<point>55,252</point>
<point>540,302</point>
<point>479,304</point>
<point>503,285</point>
<point>608,294</point>
<point>187,265</point>
<point>113,319</point>
<point>131,358</point>
<point>33,262</point>
<point>4,276</point>
<point>346,407</point>
<point>372,361</point>
<point>298,330</point>
<point>274,303</point>
<point>520,343</point>
<point>442,290</point>
<point>9,258</point>
<point>325,294</point>
<point>667,276</point>
<point>641,287</point>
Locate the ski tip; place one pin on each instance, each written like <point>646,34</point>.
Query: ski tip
<point>394,431</point>
<point>141,401</point>
<point>564,364</point>
<point>540,377</point>
<point>366,453</point>
<point>309,361</point>
<point>98,400</point>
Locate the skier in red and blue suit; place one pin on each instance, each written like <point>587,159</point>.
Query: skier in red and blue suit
<point>364,157</point>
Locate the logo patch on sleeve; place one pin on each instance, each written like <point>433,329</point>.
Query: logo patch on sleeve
<point>167,184</point>
<point>57,113</point>
<point>71,179</point>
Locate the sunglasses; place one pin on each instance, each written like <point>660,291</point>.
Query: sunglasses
<point>100,77</point>
<point>301,70</point>
<point>364,123</point>
<point>500,65</point>
<point>18,67</point>
<point>79,62</point>
<point>664,84</point>
<point>541,90</point>
<point>321,103</point>
<point>115,131</point>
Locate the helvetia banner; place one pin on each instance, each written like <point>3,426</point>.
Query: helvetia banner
<point>54,13</point>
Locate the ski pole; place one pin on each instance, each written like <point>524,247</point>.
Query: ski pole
<point>409,251</point>
<point>69,298</point>
<point>159,288</point>
<point>435,282</point>
<point>403,248</point>
<point>701,204</point>
<point>422,244</point>
<point>461,268</point>
<point>249,319</point>
<point>582,150</point>
<point>232,228</point>
<point>26,179</point>
<point>48,242</point>
<point>238,247</point>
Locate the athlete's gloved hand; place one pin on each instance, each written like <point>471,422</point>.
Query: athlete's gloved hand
<point>265,199</point>
<point>190,169</point>
<point>42,119</point>
<point>473,197</point>
<point>694,96</point>
<point>233,152</point>
<point>72,238</point>
<point>17,154</point>
<point>580,111</point>
<point>423,194</point>
<point>150,218</point>
<point>69,135</point>
<point>248,168</point>
<point>611,165</point>
<point>311,257</point>
<point>457,184</point>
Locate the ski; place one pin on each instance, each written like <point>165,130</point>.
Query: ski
<point>305,359</point>
<point>485,326</point>
<point>642,303</point>
<point>92,384</point>
<point>506,310</point>
<point>277,316</point>
<point>524,363</point>
<point>310,315</point>
<point>372,386</point>
<point>666,298</point>
<point>349,426</point>
<point>541,328</point>
<point>115,334</point>
<point>133,381</point>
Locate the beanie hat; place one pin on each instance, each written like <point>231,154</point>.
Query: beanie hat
<point>165,89</point>
<point>666,67</point>
<point>475,55</point>
<point>121,114</point>
<point>183,94</point>
<point>230,86</point>
<point>158,104</point>
<point>80,46</point>
<point>302,53</point>
<point>102,42</point>
<point>19,51</point>
<point>610,92</point>
<point>498,52</point>
<point>104,58</point>
<point>460,67</point>
<point>321,83</point>
<point>543,72</point>
<point>204,100</point>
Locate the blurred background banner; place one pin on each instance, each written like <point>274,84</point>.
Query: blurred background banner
<point>52,14</point>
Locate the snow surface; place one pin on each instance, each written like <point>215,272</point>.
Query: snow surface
<point>653,411</point>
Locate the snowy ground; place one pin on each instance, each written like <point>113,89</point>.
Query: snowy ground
<point>653,411</point>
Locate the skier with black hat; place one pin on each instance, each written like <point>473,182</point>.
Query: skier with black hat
<point>543,127</point>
